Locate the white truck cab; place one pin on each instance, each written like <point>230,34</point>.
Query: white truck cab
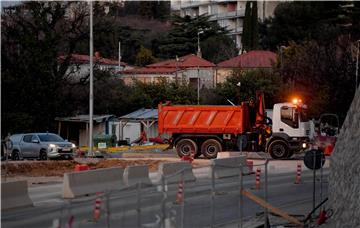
<point>290,130</point>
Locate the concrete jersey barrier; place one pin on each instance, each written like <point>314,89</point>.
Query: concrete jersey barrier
<point>136,174</point>
<point>171,168</point>
<point>77,184</point>
<point>228,167</point>
<point>14,195</point>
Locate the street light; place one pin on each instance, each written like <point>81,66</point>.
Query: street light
<point>198,42</point>
<point>91,94</point>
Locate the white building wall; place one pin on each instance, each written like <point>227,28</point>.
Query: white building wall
<point>220,12</point>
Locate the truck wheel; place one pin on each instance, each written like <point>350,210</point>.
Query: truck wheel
<point>278,149</point>
<point>186,147</point>
<point>15,155</point>
<point>43,155</point>
<point>210,148</point>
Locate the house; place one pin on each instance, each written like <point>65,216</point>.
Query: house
<point>76,128</point>
<point>80,65</point>
<point>251,60</point>
<point>131,124</point>
<point>189,68</point>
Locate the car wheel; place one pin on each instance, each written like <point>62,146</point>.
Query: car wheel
<point>186,147</point>
<point>278,149</point>
<point>210,148</point>
<point>15,155</point>
<point>43,155</point>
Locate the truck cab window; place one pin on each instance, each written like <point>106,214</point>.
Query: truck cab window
<point>290,116</point>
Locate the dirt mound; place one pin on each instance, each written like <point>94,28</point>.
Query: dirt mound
<point>39,168</point>
<point>58,168</point>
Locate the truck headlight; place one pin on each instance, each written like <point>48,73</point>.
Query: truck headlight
<point>73,145</point>
<point>304,145</point>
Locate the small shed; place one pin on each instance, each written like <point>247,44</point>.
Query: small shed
<point>131,124</point>
<point>76,128</point>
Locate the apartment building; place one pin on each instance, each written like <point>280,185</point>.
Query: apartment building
<point>227,13</point>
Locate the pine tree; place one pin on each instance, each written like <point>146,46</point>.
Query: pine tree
<point>250,36</point>
<point>254,26</point>
<point>246,35</point>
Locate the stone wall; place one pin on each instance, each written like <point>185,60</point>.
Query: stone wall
<point>344,180</point>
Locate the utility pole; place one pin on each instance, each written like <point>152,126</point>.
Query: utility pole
<point>119,55</point>
<point>176,72</point>
<point>91,95</point>
<point>357,66</point>
<point>198,86</point>
<point>198,43</point>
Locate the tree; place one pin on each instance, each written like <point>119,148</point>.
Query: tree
<point>34,34</point>
<point>182,37</point>
<point>323,75</point>
<point>298,21</point>
<point>251,81</point>
<point>144,57</point>
<point>250,37</point>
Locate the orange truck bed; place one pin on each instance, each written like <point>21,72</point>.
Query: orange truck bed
<point>203,119</point>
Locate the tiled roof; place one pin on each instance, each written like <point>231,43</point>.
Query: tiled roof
<point>252,59</point>
<point>186,61</point>
<point>79,59</point>
<point>148,70</point>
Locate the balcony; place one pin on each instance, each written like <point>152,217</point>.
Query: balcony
<point>224,1</point>
<point>193,4</point>
<point>237,30</point>
<point>228,15</point>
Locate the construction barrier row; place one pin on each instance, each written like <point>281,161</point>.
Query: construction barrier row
<point>136,174</point>
<point>174,170</point>
<point>14,195</point>
<point>86,182</point>
<point>77,184</point>
<point>229,167</point>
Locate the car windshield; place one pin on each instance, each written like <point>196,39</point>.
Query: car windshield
<point>51,138</point>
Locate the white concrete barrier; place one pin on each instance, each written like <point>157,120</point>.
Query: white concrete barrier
<point>92,181</point>
<point>229,167</point>
<point>136,174</point>
<point>14,195</point>
<point>169,169</point>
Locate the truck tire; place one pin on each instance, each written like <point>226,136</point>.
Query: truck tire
<point>210,148</point>
<point>186,147</point>
<point>278,149</point>
<point>15,155</point>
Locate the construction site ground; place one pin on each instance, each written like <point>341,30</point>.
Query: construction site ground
<point>48,172</point>
<point>51,171</point>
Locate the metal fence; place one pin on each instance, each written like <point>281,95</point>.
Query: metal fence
<point>207,202</point>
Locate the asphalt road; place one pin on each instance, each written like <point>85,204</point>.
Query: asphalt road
<point>50,208</point>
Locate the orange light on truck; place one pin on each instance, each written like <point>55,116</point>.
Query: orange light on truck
<point>296,101</point>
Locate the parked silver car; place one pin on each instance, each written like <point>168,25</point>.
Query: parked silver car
<point>42,146</point>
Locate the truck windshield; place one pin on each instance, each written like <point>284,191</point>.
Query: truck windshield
<point>50,138</point>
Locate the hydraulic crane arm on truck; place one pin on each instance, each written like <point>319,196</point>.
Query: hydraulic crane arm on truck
<point>207,129</point>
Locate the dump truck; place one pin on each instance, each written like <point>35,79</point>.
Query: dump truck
<point>209,129</point>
